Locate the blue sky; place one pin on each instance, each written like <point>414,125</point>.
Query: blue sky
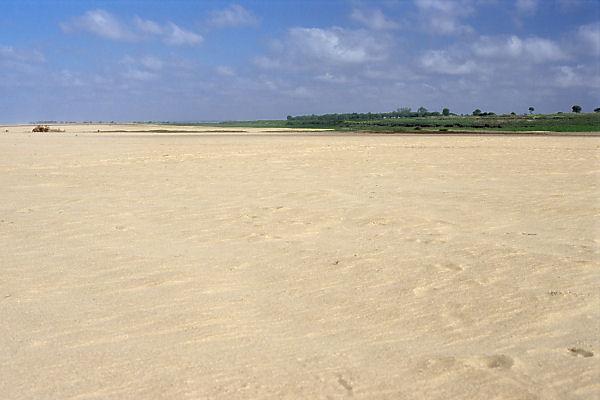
<point>213,60</point>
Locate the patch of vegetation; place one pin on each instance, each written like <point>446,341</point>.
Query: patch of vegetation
<point>405,120</point>
<point>422,120</point>
<point>567,122</point>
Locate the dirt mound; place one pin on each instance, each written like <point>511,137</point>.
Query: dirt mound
<point>41,128</point>
<point>46,128</point>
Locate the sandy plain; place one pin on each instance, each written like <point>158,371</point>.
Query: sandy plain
<point>252,265</point>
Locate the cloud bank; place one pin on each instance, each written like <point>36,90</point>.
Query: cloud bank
<point>374,56</point>
<point>105,25</point>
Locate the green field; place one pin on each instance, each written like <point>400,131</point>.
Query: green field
<point>551,123</point>
<point>562,122</point>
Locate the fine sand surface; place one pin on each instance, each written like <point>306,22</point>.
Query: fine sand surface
<point>243,265</point>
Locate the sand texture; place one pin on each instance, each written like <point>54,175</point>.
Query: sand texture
<point>253,266</point>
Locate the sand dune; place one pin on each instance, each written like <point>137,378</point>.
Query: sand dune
<point>289,266</point>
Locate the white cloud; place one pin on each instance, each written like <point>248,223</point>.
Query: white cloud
<point>139,75</point>
<point>533,49</point>
<point>331,78</point>
<point>171,33</point>
<point>20,68</point>
<point>320,50</point>
<point>443,25</point>
<point>566,5</point>
<point>443,6</point>
<point>489,47</point>
<point>9,53</point>
<point>542,50</point>
<point>141,69</point>
<point>104,24</point>
<point>440,61</point>
<point>176,36</point>
<point>373,19</point>
<point>224,70</point>
<point>152,63</point>
<point>590,36</point>
<point>578,76</point>
<point>299,92</point>
<point>233,16</point>
<point>335,45</point>
<point>269,84</point>
<point>147,26</point>
<point>69,79</point>
<point>527,6</point>
<point>444,16</point>
<point>100,23</point>
<point>565,76</point>
<point>267,62</point>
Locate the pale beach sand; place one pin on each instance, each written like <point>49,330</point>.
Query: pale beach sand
<point>244,265</point>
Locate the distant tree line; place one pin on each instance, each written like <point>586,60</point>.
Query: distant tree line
<point>479,113</point>
<point>402,112</point>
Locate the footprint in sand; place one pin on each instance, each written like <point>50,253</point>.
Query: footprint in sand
<point>500,361</point>
<point>449,266</point>
<point>345,384</point>
<point>577,352</point>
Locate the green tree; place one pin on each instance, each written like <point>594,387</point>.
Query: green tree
<point>445,112</point>
<point>422,111</point>
<point>597,110</point>
<point>576,109</point>
<point>477,112</point>
<point>531,110</point>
